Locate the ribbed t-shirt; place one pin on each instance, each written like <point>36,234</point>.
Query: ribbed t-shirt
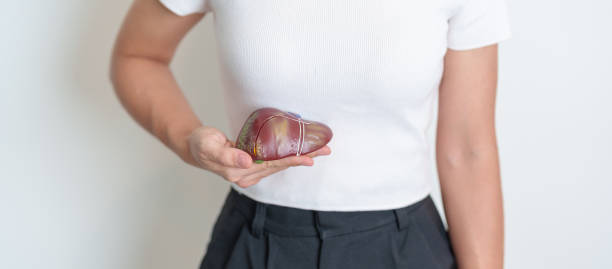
<point>369,69</point>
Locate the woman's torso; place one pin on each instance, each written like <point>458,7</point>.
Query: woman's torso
<point>368,69</point>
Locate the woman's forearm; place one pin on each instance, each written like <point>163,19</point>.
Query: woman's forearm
<point>472,198</point>
<point>148,91</point>
<point>145,45</point>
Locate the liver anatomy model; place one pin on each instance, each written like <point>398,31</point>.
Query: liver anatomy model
<point>271,134</point>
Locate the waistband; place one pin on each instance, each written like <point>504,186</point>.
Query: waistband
<point>287,221</point>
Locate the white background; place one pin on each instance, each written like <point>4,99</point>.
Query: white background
<point>83,186</point>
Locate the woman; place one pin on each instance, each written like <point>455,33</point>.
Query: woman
<point>371,71</point>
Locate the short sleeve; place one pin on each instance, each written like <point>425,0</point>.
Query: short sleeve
<point>186,7</point>
<point>478,23</point>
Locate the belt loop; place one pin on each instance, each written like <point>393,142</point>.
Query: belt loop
<point>258,219</point>
<point>402,218</point>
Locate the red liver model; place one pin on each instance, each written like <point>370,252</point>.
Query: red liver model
<point>272,134</point>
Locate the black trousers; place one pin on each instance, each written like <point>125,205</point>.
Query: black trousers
<point>250,234</point>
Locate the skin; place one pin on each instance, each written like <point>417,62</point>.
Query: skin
<point>467,157</point>
<point>466,146</point>
<point>145,45</point>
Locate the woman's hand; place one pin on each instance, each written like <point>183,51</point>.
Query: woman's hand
<point>214,152</point>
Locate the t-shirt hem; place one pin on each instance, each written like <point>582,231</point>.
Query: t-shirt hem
<point>382,206</point>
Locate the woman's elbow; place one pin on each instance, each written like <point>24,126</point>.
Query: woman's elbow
<point>460,156</point>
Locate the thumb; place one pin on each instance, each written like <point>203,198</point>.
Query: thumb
<point>234,157</point>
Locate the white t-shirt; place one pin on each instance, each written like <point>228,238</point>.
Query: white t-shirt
<point>369,69</point>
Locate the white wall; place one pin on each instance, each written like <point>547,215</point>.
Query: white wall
<point>82,186</point>
<point>555,126</point>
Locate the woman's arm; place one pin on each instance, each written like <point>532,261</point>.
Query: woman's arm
<point>147,89</point>
<point>467,157</point>
<point>141,76</point>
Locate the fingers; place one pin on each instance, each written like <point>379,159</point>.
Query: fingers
<point>254,178</point>
<point>289,161</point>
<point>325,150</point>
<point>257,171</point>
<point>271,167</point>
<point>267,168</point>
<point>238,174</point>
